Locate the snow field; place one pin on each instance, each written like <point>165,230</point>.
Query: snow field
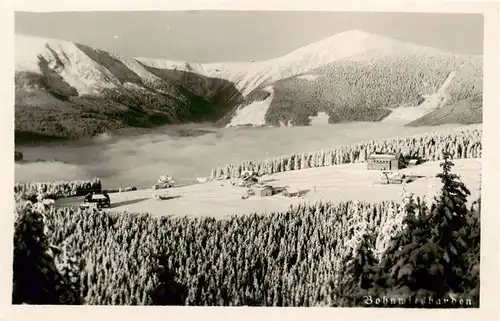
<point>334,183</point>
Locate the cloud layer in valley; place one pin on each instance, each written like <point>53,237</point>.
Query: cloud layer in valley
<point>140,159</point>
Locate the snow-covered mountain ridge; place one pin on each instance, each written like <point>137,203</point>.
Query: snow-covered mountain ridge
<point>76,90</point>
<point>354,45</point>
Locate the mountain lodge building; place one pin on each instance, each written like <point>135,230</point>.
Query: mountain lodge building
<point>385,162</point>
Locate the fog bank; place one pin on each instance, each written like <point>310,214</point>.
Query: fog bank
<point>139,159</point>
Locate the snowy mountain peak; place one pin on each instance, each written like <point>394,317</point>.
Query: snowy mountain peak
<point>66,59</point>
<point>353,44</point>
<point>356,42</point>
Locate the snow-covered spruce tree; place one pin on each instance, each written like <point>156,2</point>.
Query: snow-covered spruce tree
<point>448,217</point>
<point>389,229</point>
<point>167,289</point>
<point>358,268</point>
<point>425,259</point>
<point>68,265</point>
<point>394,221</point>
<point>359,273</point>
<point>471,281</point>
<point>411,265</point>
<point>36,278</point>
<point>472,234</point>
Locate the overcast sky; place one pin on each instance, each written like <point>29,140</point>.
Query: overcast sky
<point>206,36</point>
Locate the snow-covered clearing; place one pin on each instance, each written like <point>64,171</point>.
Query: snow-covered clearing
<point>320,119</point>
<point>431,103</point>
<point>254,113</point>
<point>308,77</point>
<point>334,183</point>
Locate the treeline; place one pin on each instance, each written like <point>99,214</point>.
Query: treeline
<point>120,189</point>
<point>345,254</point>
<point>463,143</point>
<point>55,189</point>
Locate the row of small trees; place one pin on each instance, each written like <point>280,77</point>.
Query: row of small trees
<point>326,254</point>
<point>463,143</point>
<point>55,189</point>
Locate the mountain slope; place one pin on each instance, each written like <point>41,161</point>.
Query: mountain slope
<point>66,90</point>
<point>350,76</point>
<point>370,89</point>
<point>466,111</point>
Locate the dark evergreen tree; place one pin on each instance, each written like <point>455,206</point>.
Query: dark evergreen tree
<point>448,217</point>
<point>36,277</point>
<point>426,259</point>
<point>411,265</point>
<point>359,272</point>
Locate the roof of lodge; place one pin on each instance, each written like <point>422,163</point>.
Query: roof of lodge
<point>263,187</point>
<point>384,156</point>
